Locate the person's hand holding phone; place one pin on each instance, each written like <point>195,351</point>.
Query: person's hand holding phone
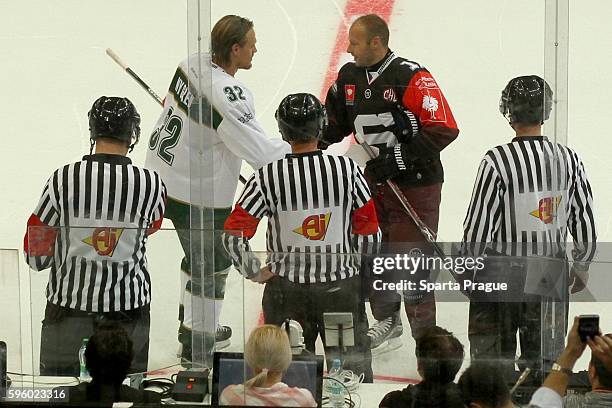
<point>574,348</point>
<point>601,347</point>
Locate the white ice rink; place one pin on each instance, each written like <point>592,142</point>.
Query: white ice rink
<point>53,67</point>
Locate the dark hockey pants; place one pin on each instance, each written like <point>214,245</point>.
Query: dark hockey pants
<point>399,236</point>
<point>205,262</point>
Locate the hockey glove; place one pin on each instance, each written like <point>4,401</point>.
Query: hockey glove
<point>390,162</point>
<point>406,124</point>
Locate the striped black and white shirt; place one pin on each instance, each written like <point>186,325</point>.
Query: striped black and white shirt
<point>527,195</point>
<point>320,218</point>
<point>90,227</point>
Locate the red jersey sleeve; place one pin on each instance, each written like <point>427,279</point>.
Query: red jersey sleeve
<point>241,221</point>
<point>39,239</point>
<point>424,98</point>
<point>364,220</point>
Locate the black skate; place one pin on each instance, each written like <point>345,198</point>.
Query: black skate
<point>385,335</point>
<point>223,337</point>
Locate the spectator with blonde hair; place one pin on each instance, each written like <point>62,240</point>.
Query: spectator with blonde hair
<point>268,354</point>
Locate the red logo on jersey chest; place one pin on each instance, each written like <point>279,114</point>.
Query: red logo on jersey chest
<point>314,227</point>
<point>349,94</point>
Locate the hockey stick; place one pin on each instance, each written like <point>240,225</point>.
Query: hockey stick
<point>142,83</point>
<point>131,73</point>
<point>427,233</point>
<point>520,380</point>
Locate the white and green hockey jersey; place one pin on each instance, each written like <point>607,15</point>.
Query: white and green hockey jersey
<point>206,129</point>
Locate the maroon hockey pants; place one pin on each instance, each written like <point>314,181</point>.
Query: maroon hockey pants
<point>399,236</point>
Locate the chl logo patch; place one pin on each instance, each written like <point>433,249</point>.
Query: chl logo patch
<point>547,209</point>
<point>389,95</point>
<point>314,227</point>
<point>104,240</point>
<point>349,94</point>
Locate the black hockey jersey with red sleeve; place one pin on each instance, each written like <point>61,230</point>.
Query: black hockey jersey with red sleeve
<point>394,101</point>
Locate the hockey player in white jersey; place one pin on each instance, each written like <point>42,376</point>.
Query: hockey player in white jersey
<point>206,129</point>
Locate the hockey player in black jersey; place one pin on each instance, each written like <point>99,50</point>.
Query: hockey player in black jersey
<point>397,106</point>
<point>528,194</point>
<point>320,219</point>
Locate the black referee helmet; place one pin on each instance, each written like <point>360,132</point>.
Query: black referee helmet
<point>115,118</point>
<point>526,99</point>
<point>301,118</point>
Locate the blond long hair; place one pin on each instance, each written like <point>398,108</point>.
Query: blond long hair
<point>228,31</point>
<point>267,349</point>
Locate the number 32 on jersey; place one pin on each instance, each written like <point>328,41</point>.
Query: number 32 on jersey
<point>167,136</point>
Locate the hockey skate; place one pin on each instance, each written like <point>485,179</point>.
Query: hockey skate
<point>222,340</point>
<point>223,337</point>
<point>385,335</point>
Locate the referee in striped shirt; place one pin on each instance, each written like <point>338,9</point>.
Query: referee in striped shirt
<point>90,227</point>
<point>527,195</point>
<point>320,219</point>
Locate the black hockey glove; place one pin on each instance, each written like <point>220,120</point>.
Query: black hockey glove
<point>406,124</point>
<point>390,162</point>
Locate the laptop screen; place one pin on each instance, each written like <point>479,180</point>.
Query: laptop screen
<point>304,372</point>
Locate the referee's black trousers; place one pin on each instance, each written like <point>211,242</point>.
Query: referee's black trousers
<point>540,321</point>
<point>63,330</point>
<point>306,303</point>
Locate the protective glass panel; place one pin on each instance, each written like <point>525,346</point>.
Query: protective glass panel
<point>542,44</point>
<point>92,291</point>
<point>204,255</point>
<point>472,51</point>
<point>13,338</point>
<point>305,320</point>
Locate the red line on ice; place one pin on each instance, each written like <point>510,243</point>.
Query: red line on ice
<point>352,10</point>
<point>390,378</point>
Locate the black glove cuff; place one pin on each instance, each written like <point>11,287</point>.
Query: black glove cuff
<point>406,124</point>
<point>398,153</point>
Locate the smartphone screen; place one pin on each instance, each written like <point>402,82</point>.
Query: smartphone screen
<point>588,326</point>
